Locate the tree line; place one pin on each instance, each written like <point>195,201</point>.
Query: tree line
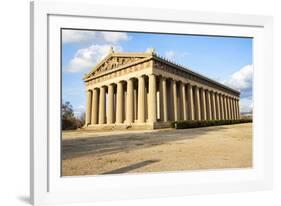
<point>69,120</point>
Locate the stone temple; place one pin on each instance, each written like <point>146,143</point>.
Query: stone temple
<point>146,91</point>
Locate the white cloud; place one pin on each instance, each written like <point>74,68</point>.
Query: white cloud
<point>170,54</point>
<point>184,54</point>
<point>246,105</point>
<point>242,80</point>
<point>175,56</point>
<point>77,36</point>
<point>114,37</point>
<point>81,36</point>
<point>86,58</point>
<point>79,110</point>
<point>150,49</point>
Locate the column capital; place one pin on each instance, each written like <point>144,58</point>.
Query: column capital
<point>111,84</point>
<point>189,83</point>
<point>199,86</point>
<point>193,85</point>
<point>140,77</point>
<point>202,88</point>
<point>162,77</point>
<point>94,88</point>
<point>121,82</point>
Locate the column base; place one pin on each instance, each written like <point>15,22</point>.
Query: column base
<point>132,126</point>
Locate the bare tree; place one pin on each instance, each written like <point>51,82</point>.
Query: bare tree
<point>69,121</point>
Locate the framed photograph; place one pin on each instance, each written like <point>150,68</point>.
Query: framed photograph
<point>135,103</point>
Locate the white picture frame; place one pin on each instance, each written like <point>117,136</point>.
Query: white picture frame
<point>47,186</point>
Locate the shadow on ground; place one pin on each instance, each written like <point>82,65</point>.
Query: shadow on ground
<point>104,145</point>
<point>131,167</point>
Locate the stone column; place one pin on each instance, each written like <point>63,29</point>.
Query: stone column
<point>102,106</point>
<point>218,106</point>
<point>171,101</point>
<point>119,103</point>
<point>141,100</point>
<point>228,107</point>
<point>197,103</point>
<point>231,108</point>
<point>213,103</point>
<point>208,105</point>
<point>135,103</point>
<point>234,109</point>
<point>183,100</point>
<point>163,100</point>
<point>175,100</point>
<point>222,107</point>
<point>190,102</point>
<point>110,113</point>
<point>225,108</point>
<point>88,108</point>
<point>130,101</point>
<point>203,104</point>
<point>95,103</point>
<point>238,109</point>
<point>152,112</point>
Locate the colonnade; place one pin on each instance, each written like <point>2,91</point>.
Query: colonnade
<point>151,98</point>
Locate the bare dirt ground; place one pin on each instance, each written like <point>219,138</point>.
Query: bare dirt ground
<point>93,153</point>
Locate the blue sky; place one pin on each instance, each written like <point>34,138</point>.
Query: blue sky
<point>224,59</point>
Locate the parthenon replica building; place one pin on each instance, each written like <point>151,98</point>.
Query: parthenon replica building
<point>146,91</point>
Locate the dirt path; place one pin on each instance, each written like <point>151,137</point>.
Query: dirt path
<point>88,153</point>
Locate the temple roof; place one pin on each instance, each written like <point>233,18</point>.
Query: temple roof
<point>114,60</point>
<point>123,59</point>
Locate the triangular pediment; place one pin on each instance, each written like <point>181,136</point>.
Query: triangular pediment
<point>115,60</point>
